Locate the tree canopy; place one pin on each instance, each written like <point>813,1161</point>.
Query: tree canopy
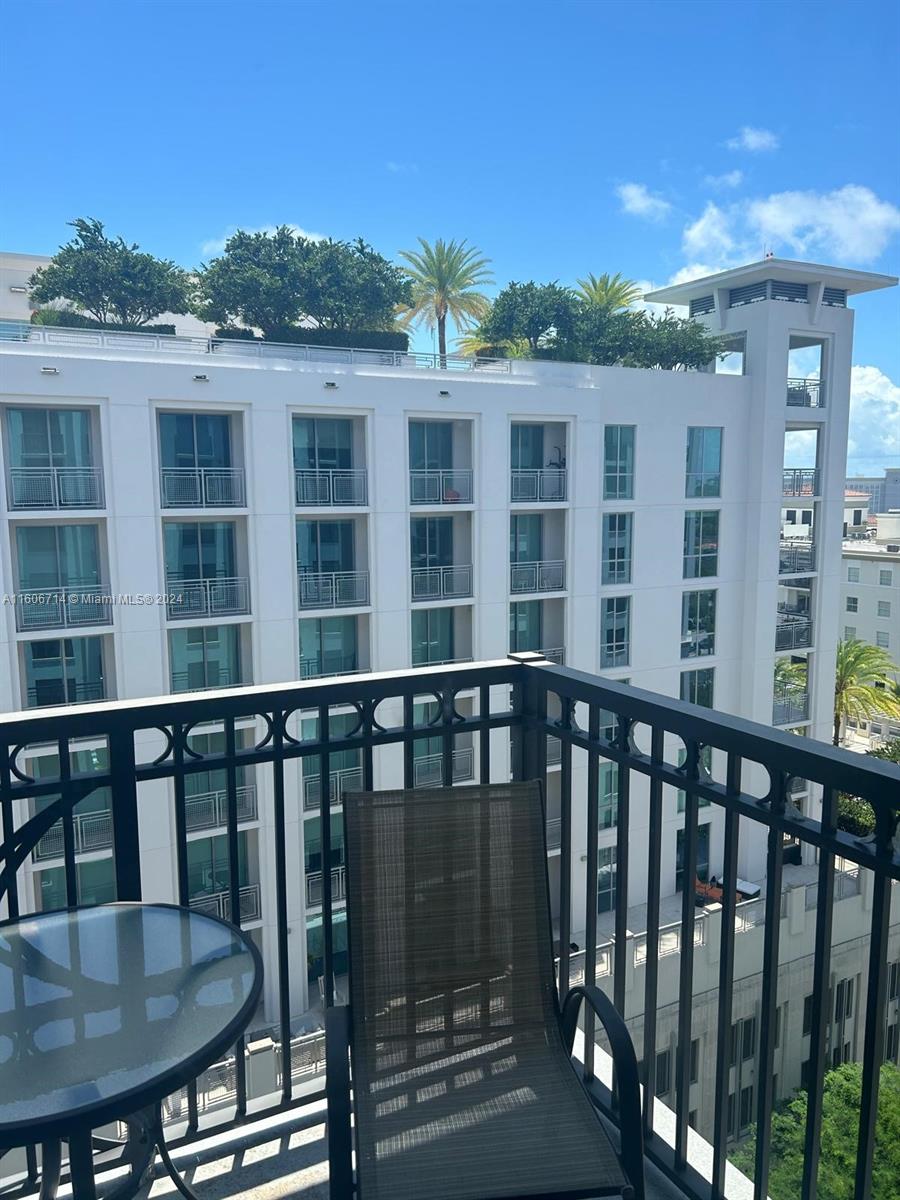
<point>558,323</point>
<point>841,1101</point>
<point>274,281</point>
<point>113,282</point>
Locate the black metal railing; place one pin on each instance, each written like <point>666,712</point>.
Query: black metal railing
<point>661,747</point>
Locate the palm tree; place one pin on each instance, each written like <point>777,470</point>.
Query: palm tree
<point>444,278</point>
<point>612,292</point>
<point>864,684</point>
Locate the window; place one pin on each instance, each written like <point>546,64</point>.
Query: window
<point>58,556</point>
<point>857,516</point>
<point>853,574</point>
<point>695,1059</point>
<point>698,624</point>
<point>49,437</point>
<point>194,441</point>
<point>704,462</point>
<point>697,686</point>
<point>615,625</point>
<point>702,856</point>
<point>199,550</point>
<point>748,1038</point>
<point>328,646</point>
<point>852,604</point>
<point>883,639</point>
<point>701,544</point>
<point>807,1014</point>
<point>663,1072</point>
<point>891,1042</point>
<point>618,462</point>
<point>791,517</point>
<point>849,632</point>
<point>525,625</point>
<point>885,578</point>
<point>430,445</point>
<point>746,1108</point>
<point>322,443</point>
<point>606,879</point>
<point>843,1000</point>
<point>608,799</point>
<point>894,981</point>
<point>806,517</point>
<point>205,656</point>
<point>616,562</point>
<point>432,636</point>
<point>777,1027</point>
<point>705,768</point>
<point>884,608</point>
<point>64,671</point>
<point>95,883</point>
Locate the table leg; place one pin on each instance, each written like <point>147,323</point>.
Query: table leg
<point>172,1171</point>
<point>81,1165</point>
<point>51,1161</point>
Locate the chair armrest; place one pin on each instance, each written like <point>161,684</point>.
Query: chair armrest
<point>337,1097</point>
<point>626,1072</point>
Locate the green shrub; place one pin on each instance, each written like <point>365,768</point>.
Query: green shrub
<point>68,319</point>
<point>855,815</point>
<point>297,335</point>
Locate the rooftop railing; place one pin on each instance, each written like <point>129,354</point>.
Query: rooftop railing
<point>598,721</point>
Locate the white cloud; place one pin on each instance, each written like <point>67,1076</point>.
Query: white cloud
<point>217,245</point>
<point>849,223</point>
<point>731,179</point>
<point>710,235</point>
<point>754,140</point>
<point>637,199</point>
<point>401,168</point>
<point>874,441</point>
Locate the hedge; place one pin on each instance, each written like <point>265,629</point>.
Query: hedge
<point>357,339</point>
<point>75,320</point>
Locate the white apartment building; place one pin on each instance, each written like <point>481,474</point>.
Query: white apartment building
<point>295,513</point>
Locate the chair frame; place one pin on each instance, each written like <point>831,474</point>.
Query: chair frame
<point>339,1052</point>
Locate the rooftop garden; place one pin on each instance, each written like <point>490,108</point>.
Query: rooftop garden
<point>285,287</point>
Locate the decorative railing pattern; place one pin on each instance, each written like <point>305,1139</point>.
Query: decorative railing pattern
<point>542,485</point>
<point>209,810</point>
<point>441,583</point>
<point>202,487</point>
<point>333,589</point>
<point>340,782</point>
<point>315,890</point>
<point>90,831</point>
<point>800,481</point>
<point>428,769</point>
<point>544,576</point>
<point>331,487</point>
<point>449,486</point>
<point>198,598</point>
<point>55,487</point>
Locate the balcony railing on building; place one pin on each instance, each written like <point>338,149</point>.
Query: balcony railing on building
<point>202,487</point>
<point>331,487</point>
<point>554,654</point>
<point>90,831</point>
<point>333,589</point>
<point>47,693</point>
<point>441,583</point>
<point>542,485</point>
<point>441,487</point>
<point>329,664</point>
<point>517,706</point>
<point>428,769</point>
<point>789,705</point>
<point>805,393</point>
<point>796,556</point>
<point>205,677</point>
<point>800,481</point>
<point>315,889</point>
<point>793,631</point>
<point>218,904</point>
<point>340,782</point>
<point>197,598</point>
<point>68,607</point>
<point>209,810</point>
<point>55,487</point>
<point>544,576</point>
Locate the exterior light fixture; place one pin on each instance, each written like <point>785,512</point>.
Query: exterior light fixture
<point>19,290</point>
<point>444,394</point>
<point>201,379</point>
<point>49,370</point>
<point>329,383</point>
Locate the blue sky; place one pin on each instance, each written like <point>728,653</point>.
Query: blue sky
<point>561,138</point>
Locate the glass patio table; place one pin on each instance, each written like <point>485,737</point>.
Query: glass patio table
<point>104,1011</point>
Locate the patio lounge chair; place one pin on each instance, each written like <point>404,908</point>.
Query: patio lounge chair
<point>463,1082</point>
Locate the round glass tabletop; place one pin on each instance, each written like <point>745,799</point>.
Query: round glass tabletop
<point>104,1010</point>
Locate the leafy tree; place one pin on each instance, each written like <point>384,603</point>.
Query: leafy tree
<point>890,751</point>
<point>115,283</point>
<point>612,292</point>
<point>445,278</point>
<point>273,281</point>
<point>864,684</point>
<point>540,315</point>
<point>669,343</point>
<point>841,1102</point>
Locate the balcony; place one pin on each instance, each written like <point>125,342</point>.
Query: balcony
<point>794,631</point>
<point>675,979</point>
<point>428,769</point>
<point>209,810</point>
<point>805,393</point>
<point>192,599</point>
<point>333,589</point>
<point>70,607</point>
<point>314,887</point>
<point>451,582</point>
<point>800,481</point>
<point>331,488</point>
<point>218,904</point>
<point>202,487</point>
<point>47,693</point>
<point>545,576</point>
<point>55,487</point>
<point>90,831</point>
<point>340,782</point>
<point>796,556</point>
<point>441,487</point>
<point>789,705</point>
<point>545,485</point>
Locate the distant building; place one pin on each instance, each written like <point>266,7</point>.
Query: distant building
<point>884,490</point>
